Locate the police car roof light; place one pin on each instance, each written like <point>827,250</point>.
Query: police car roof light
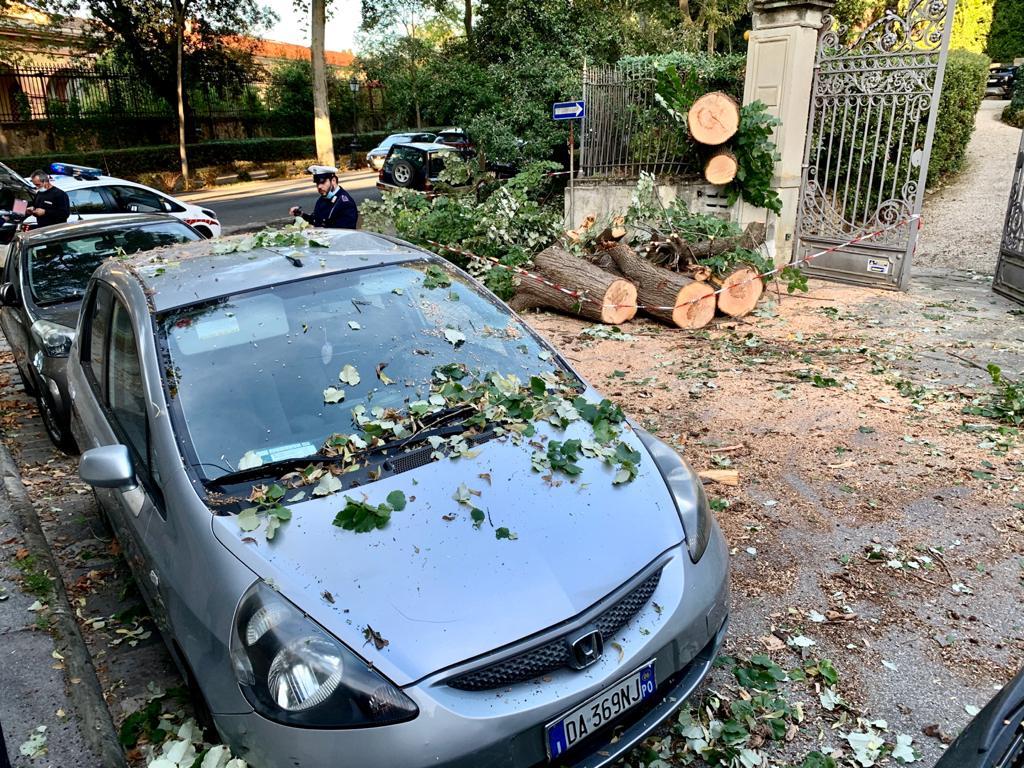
<point>76,171</point>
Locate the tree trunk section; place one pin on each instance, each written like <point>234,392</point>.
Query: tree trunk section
<point>467,22</point>
<point>677,254</point>
<point>714,118</point>
<point>690,303</point>
<point>609,299</point>
<point>321,110</point>
<point>721,167</point>
<point>741,290</point>
<point>179,40</point>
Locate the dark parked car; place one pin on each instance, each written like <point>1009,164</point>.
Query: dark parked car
<point>15,196</point>
<point>414,166</point>
<point>457,139</point>
<point>995,737</point>
<point>43,282</point>
<point>376,156</point>
<point>1000,81</point>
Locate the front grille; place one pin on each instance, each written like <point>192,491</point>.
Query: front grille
<point>555,654</point>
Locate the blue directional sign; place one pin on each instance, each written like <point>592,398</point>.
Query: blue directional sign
<point>569,110</point>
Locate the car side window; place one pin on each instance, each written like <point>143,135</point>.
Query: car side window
<point>136,200</point>
<point>88,200</point>
<point>94,352</point>
<point>125,389</point>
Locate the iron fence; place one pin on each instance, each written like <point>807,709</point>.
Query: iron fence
<point>53,93</point>
<point>625,131</point>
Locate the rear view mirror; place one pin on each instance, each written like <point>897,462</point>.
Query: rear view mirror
<point>8,295</point>
<point>109,466</point>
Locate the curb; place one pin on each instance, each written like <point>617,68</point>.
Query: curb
<point>87,696</point>
<point>256,226</point>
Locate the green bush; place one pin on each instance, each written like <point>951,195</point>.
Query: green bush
<point>1006,37</point>
<point>1013,113</point>
<point>963,88</point>
<point>711,72</point>
<point>128,163</point>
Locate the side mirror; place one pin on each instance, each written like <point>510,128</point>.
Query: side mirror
<point>109,466</point>
<point>8,295</point>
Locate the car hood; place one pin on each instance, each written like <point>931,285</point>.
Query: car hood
<point>65,314</point>
<point>441,591</point>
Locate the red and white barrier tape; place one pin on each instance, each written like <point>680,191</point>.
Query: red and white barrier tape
<point>581,296</point>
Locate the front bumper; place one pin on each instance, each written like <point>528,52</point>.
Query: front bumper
<point>681,627</point>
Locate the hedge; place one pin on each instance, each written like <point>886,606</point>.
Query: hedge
<point>128,163</point>
<point>963,88</point>
<point>715,72</point>
<point>1013,113</point>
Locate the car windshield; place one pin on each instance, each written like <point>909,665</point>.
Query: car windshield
<point>58,271</point>
<point>396,138</point>
<point>252,372</point>
<point>413,155</point>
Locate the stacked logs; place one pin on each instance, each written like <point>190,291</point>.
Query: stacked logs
<point>663,278</point>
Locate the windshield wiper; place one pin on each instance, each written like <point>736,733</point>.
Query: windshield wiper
<point>439,425</point>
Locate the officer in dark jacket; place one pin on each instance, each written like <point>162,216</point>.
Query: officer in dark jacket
<point>51,204</point>
<point>335,209</point>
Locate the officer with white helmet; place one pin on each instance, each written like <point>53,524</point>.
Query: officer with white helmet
<point>335,209</point>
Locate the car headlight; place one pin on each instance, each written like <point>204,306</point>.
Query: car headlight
<point>293,672</point>
<point>687,493</point>
<point>54,339</point>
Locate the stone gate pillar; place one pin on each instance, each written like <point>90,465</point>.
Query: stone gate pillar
<point>780,65</point>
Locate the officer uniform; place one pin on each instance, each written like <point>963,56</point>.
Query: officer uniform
<point>336,209</point>
<point>54,201</point>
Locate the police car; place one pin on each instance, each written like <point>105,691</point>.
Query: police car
<point>92,194</point>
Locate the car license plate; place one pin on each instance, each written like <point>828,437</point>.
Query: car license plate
<point>599,710</point>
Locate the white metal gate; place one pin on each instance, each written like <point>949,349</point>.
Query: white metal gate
<point>869,135</point>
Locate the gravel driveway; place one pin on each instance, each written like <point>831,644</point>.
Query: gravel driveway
<point>963,221</point>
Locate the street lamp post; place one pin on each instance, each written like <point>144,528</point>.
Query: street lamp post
<point>353,86</point>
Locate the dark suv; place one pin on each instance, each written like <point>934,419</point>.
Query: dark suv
<point>1000,81</point>
<point>43,281</point>
<point>414,166</point>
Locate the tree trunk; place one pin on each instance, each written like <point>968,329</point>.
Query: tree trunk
<point>321,110</point>
<point>711,41</point>
<point>742,290</point>
<point>179,40</point>
<point>721,167</point>
<point>714,118</point>
<point>666,296</point>
<point>467,22</point>
<point>605,297</point>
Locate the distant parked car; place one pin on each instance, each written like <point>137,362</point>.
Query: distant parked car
<point>414,166</point>
<point>457,139</point>
<point>376,156</point>
<point>1001,79</point>
<point>43,282</point>
<point>92,195</point>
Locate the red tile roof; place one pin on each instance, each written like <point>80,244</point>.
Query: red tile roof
<point>271,49</point>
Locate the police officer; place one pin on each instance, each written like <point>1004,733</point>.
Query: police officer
<point>51,204</point>
<point>335,209</point>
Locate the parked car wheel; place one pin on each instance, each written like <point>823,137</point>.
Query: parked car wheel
<point>403,173</point>
<point>204,231</point>
<point>58,430</point>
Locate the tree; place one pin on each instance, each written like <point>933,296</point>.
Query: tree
<point>178,7</point>
<point>145,32</point>
<point>1006,38</point>
<point>321,111</point>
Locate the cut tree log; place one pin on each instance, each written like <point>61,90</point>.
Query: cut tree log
<point>690,303</point>
<point>741,290</point>
<point>714,118</point>
<point>721,167</point>
<point>609,299</point>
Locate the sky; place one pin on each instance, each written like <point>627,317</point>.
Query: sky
<point>292,27</point>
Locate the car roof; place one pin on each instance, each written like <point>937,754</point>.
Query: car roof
<point>71,182</point>
<point>426,146</point>
<point>115,222</point>
<point>180,275</point>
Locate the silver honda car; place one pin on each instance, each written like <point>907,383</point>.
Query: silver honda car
<point>379,520</point>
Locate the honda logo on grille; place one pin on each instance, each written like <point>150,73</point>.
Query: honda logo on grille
<point>586,649</point>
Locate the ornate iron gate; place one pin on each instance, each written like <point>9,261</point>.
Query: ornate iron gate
<point>1009,279</point>
<point>869,136</point>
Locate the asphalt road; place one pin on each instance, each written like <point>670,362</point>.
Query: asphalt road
<point>256,202</point>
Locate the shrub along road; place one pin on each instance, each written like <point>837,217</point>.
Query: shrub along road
<point>254,203</point>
